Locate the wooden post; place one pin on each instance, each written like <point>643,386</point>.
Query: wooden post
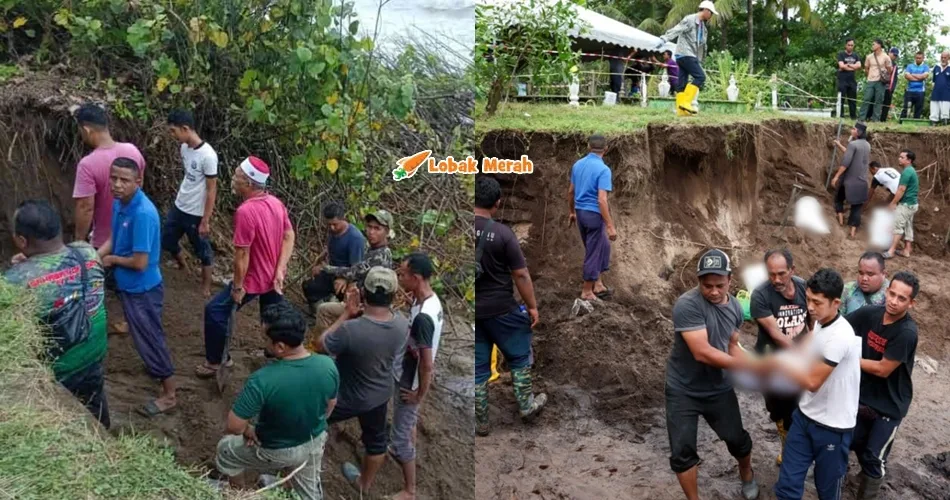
<point>643,90</point>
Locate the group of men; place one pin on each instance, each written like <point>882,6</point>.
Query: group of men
<point>365,353</point>
<point>882,75</point>
<point>849,348</point>
<point>850,182</point>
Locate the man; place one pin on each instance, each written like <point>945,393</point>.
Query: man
<point>940,95</point>
<point>888,346</point>
<point>378,232</point>
<point>849,61</point>
<point>92,190</point>
<point>851,179</point>
<point>890,83</point>
<point>887,177</point>
<point>869,288</point>
<point>194,205</point>
<point>877,66</point>
<point>916,75</point>
<point>672,69</point>
<point>905,205</point>
<point>291,398</point>
<point>587,197</point>
<point>706,322</point>
<point>780,309</point>
<point>68,284</point>
<point>368,349</point>
<point>418,365</point>
<point>345,247</point>
<point>691,37</point>
<point>499,321</point>
<point>134,251</point>
<point>263,243</point>
<point>829,370</point>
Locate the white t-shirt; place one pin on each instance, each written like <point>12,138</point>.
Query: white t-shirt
<point>431,307</point>
<point>200,163</point>
<point>836,402</point>
<point>889,178</point>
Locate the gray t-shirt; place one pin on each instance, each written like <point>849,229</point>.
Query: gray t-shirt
<point>855,177</point>
<point>690,313</point>
<point>368,356</point>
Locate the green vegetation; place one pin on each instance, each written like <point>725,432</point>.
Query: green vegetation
<point>52,447</point>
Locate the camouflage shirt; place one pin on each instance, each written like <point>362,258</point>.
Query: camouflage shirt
<point>382,256</point>
<point>77,326</point>
<point>853,298</point>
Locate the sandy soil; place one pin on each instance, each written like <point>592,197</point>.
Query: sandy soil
<point>678,190</point>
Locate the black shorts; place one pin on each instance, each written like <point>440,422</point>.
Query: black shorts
<point>372,424</point>
<point>721,412</point>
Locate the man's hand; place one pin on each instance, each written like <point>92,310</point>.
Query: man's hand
<point>237,294</point>
<point>279,277</point>
<point>352,303</point>
<point>410,397</point>
<point>108,261</point>
<point>250,437</point>
<point>533,313</point>
<point>612,233</point>
<point>204,228</point>
<point>571,219</point>
<point>339,285</point>
<point>892,206</point>
<point>17,259</point>
<point>834,182</point>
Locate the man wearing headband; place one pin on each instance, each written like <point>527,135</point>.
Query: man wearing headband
<point>263,243</point>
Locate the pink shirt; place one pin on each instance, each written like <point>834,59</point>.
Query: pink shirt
<point>260,224</point>
<point>92,179</point>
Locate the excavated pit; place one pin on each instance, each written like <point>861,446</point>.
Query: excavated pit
<point>677,191</point>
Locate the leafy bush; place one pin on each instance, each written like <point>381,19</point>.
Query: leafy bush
<point>816,77</point>
<point>723,66</point>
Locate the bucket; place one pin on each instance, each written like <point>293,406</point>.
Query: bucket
<point>610,98</point>
<point>745,300</point>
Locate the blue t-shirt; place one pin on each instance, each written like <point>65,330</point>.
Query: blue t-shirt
<point>589,175</point>
<point>914,69</point>
<point>941,90</point>
<point>347,249</point>
<point>136,229</point>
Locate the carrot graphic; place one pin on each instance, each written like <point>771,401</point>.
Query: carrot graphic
<point>409,165</point>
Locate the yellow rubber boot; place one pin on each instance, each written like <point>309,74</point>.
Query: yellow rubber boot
<point>690,94</point>
<point>782,434</point>
<point>494,364</point>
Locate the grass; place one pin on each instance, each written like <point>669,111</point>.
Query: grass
<point>624,119</point>
<point>52,448</point>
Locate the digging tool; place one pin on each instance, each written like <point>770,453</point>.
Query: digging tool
<point>224,372</point>
<point>834,153</point>
<point>796,189</point>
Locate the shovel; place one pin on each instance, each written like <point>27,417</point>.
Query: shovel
<point>224,372</point>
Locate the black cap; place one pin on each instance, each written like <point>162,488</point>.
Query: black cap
<point>714,262</point>
<point>861,126</point>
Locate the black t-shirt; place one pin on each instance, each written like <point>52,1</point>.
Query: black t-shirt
<point>791,316</point>
<point>897,341</point>
<point>421,334</point>
<point>847,76</point>
<point>501,254</point>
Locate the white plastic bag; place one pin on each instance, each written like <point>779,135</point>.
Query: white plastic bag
<point>809,215</point>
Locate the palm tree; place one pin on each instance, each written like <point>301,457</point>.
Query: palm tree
<point>804,11</point>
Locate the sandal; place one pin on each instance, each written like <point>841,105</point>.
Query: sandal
<point>887,255</point>
<point>605,294</point>
<point>151,409</point>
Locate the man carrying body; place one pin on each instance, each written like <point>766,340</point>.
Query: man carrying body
<point>870,287</point>
<point>851,179</point>
<point>877,66</point>
<point>587,195</point>
<point>194,205</point>
<point>263,243</point>
<point>68,283</point>
<point>940,95</point>
<point>134,250</point>
<point>780,309</point>
<point>368,348</point>
<point>706,322</point>
<point>691,36</point>
<point>916,75</point>
<point>886,176</point>
<point>291,398</point>
<point>92,190</point>
<point>499,320</point>
<point>831,376</point>
<point>378,232</point>
<point>345,246</point>
<point>905,205</point>
<point>889,344</point>
<point>418,365</point>
<point>849,61</point>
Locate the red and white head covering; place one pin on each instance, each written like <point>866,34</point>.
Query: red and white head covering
<point>256,169</point>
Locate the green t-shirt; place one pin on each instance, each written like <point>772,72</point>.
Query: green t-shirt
<point>909,179</point>
<point>289,397</point>
<point>77,334</point>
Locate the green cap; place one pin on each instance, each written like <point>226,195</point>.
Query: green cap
<point>384,218</point>
<point>381,277</point>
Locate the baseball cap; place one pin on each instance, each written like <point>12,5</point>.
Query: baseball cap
<point>381,277</point>
<point>714,262</point>
<point>706,4</point>
<point>895,51</point>
<point>383,217</point>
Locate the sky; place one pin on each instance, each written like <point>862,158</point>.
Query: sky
<point>942,7</point>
